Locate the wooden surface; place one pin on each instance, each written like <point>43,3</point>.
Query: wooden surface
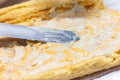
<point>6,3</point>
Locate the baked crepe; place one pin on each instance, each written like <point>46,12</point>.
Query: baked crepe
<point>25,13</point>
<point>97,49</point>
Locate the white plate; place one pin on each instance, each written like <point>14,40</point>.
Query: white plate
<point>113,4</point>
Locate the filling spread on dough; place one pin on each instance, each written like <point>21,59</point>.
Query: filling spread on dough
<point>99,35</point>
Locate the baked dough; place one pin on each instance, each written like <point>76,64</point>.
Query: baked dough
<point>25,13</point>
<point>50,61</point>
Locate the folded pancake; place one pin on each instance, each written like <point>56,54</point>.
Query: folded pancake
<point>27,12</point>
<point>97,49</point>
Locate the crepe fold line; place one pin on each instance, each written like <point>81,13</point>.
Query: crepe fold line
<point>27,12</point>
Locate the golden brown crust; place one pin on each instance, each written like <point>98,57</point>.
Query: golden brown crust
<point>27,12</point>
<point>78,70</point>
